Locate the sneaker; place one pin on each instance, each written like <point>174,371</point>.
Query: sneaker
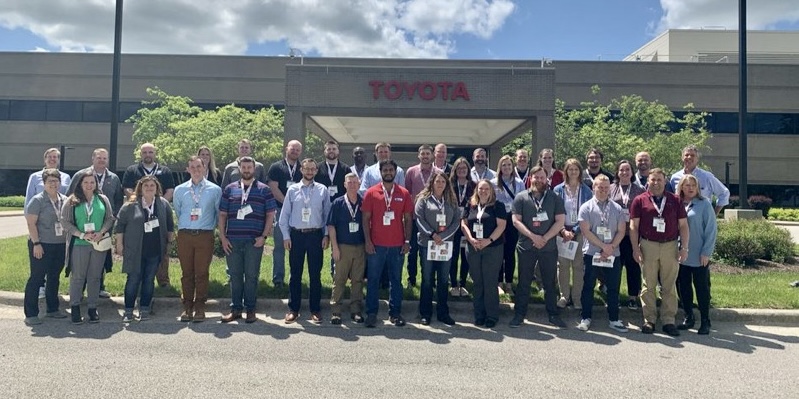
<point>33,321</point>
<point>41,293</point>
<point>128,317</point>
<point>335,319</point>
<point>464,292</point>
<point>584,325</point>
<point>562,302</point>
<point>455,291</point>
<point>93,316</point>
<point>144,314</point>
<point>357,318</point>
<point>105,294</point>
<point>58,314</point>
<point>371,321</point>
<point>618,326</point>
<point>632,304</point>
<point>516,322</point>
<point>397,321</point>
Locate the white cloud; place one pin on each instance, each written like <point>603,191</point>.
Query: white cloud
<point>348,28</point>
<point>695,14</point>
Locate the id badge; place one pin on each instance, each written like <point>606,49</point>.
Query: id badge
<point>306,215</point>
<point>389,215</point>
<point>332,190</point>
<point>354,227</point>
<point>148,227</point>
<point>508,207</point>
<point>196,213</point>
<point>244,211</point>
<point>541,217</point>
<point>59,229</point>
<point>154,223</point>
<point>478,231</point>
<point>88,227</point>
<point>603,233</point>
<point>659,224</point>
<point>441,219</point>
<point>573,218</point>
<point>386,220</point>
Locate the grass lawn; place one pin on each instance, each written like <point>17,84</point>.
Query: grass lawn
<point>751,289</point>
<point>10,208</point>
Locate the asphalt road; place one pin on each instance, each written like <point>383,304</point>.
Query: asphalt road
<point>164,358</point>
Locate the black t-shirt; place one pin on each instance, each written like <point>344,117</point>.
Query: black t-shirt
<point>323,177</point>
<point>488,220</point>
<point>151,242</point>
<point>281,173</point>
<point>136,171</point>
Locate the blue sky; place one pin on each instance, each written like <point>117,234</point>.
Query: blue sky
<point>462,29</point>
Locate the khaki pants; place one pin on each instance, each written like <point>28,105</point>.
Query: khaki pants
<point>195,253</point>
<point>574,270</point>
<point>351,266</point>
<point>660,260</point>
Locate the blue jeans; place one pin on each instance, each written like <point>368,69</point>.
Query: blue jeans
<point>244,266</point>
<point>392,258</point>
<point>50,265</point>
<point>143,278</point>
<point>278,253</point>
<point>429,268</point>
<point>612,281</point>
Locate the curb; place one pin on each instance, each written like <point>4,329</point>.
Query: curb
<point>784,223</point>
<point>461,310</point>
<point>11,213</point>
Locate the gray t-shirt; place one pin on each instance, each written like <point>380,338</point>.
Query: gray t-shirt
<point>42,207</point>
<point>600,216</point>
<point>525,206</point>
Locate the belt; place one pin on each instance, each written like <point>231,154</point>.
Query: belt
<point>306,231</point>
<point>194,232</point>
<point>659,241</point>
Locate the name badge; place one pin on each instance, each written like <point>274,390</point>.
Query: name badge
<point>148,228</point>
<point>573,218</point>
<point>389,215</point>
<point>508,207</point>
<point>354,227</point>
<point>332,190</point>
<point>659,224</point>
<point>541,217</point>
<point>386,220</point>
<point>306,215</point>
<point>478,231</point>
<point>441,219</point>
<point>244,211</point>
<point>59,229</point>
<point>196,213</point>
<point>604,233</point>
<point>88,227</point>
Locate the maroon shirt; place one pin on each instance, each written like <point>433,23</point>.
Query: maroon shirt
<point>644,209</point>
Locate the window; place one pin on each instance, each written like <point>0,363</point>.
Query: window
<point>22,110</point>
<point>3,110</point>
<point>64,111</point>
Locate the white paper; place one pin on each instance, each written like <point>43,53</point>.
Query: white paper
<point>441,252</point>
<point>566,249</point>
<point>597,261</point>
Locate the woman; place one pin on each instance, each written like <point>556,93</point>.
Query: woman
<point>506,186</point>
<point>574,194</point>
<point>214,174</point>
<point>86,218</point>
<point>696,267</point>
<point>622,192</point>
<point>45,247</point>
<point>144,227</point>
<point>483,226</point>
<point>437,216</point>
<point>464,188</point>
<point>546,160</point>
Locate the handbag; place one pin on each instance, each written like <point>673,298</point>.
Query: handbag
<point>104,244</point>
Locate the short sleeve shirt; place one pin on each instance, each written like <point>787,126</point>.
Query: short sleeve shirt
<point>136,171</point>
<point>374,201</point>
<point>281,173</point>
<point>488,219</point>
<point>525,206</point>
<point>45,209</point>
<point>252,226</point>
<point>643,208</point>
<point>598,216</point>
<point>342,213</point>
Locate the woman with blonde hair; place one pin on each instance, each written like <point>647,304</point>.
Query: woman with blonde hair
<point>506,186</point>
<point>214,174</point>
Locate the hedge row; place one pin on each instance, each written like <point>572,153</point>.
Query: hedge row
<point>741,242</point>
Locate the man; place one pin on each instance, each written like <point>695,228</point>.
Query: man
<point>709,185</point>
<point>358,162</point>
<point>441,157</point>
<point>347,245</point>
<point>643,164</point>
<point>52,158</point>
<point>480,170</point>
<point>109,185</point>
<point>387,220</point>
<point>246,215</point>
<point>196,203</point>
<point>231,173</point>
<point>539,216</point>
<point>282,174</point>
<point>522,164</point>
<point>373,176</point>
<point>149,167</point>
<point>415,181</point>
<point>657,220</point>
<point>593,160</point>
<point>303,224</point>
<point>331,172</point>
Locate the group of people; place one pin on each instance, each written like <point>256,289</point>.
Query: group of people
<point>565,228</point>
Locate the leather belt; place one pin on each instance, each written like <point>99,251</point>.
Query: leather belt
<point>194,232</point>
<point>306,231</point>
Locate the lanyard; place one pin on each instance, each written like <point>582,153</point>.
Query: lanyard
<point>150,172</point>
<point>425,179</point>
<point>659,209</point>
<point>439,204</point>
<point>198,196</point>
<point>89,208</point>
<point>526,172</point>
<point>245,193</point>
<point>306,198</point>
<point>512,193</point>
<point>150,210</point>
<point>689,206</point>
<point>539,203</point>
<point>292,169</point>
<point>56,206</point>
<point>625,197</point>
<point>331,173</point>
<point>603,211</point>
<point>100,180</point>
<point>480,176</point>
<point>461,194</point>
<point>480,210</point>
<point>388,196</point>
<point>349,207</point>
<point>357,172</point>
<point>575,197</point>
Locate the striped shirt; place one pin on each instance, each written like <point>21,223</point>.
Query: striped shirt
<point>259,198</point>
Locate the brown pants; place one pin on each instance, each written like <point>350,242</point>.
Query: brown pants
<point>195,253</point>
<point>350,267</point>
<point>660,261</point>
<point>162,274</point>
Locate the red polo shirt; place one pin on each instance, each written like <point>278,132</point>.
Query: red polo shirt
<point>374,201</point>
<point>643,207</point>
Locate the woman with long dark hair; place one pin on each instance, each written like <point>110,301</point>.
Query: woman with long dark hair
<point>463,186</point>
<point>506,186</point>
<point>622,192</point>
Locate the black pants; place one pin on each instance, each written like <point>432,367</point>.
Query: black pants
<point>699,277</point>
<point>413,255</point>
<point>633,268</point>
<point>508,253</point>
<point>548,264</point>
<point>303,244</point>
<point>50,265</point>
<point>456,279</point>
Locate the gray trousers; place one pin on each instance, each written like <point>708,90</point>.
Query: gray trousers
<point>484,267</point>
<point>87,268</point>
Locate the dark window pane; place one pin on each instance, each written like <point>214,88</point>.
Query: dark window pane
<point>26,110</point>
<point>128,109</point>
<point>96,111</point>
<point>774,123</point>
<point>3,110</point>
<point>65,111</point>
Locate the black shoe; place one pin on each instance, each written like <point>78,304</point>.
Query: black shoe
<point>491,323</point>
<point>397,321</point>
<point>556,321</point>
<point>412,282</point>
<point>687,324</point>
<point>479,322</point>
<point>648,328</point>
<point>425,321</point>
<point>670,329</point>
<point>93,316</point>
<point>335,320</point>
<point>448,320</point>
<point>76,317</point>
<point>704,327</point>
<point>357,317</point>
<point>371,321</point>
<point>516,321</point>
<point>278,284</point>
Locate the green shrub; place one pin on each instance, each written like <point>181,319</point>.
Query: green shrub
<point>744,241</point>
<point>16,201</point>
<point>785,214</point>
<point>218,251</point>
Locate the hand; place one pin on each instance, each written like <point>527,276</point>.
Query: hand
<point>259,242</point>
<point>607,250</point>
<point>567,236</point>
<point>370,248</point>
<point>483,243</point>
<point>405,248</point>
<point>437,239</point>
<point>287,244</point>
<point>325,242</point>
<point>637,255</point>
<point>683,255</point>
<point>704,260</point>
<point>336,253</point>
<point>538,241</point>
<point>226,246</point>
<point>38,251</point>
